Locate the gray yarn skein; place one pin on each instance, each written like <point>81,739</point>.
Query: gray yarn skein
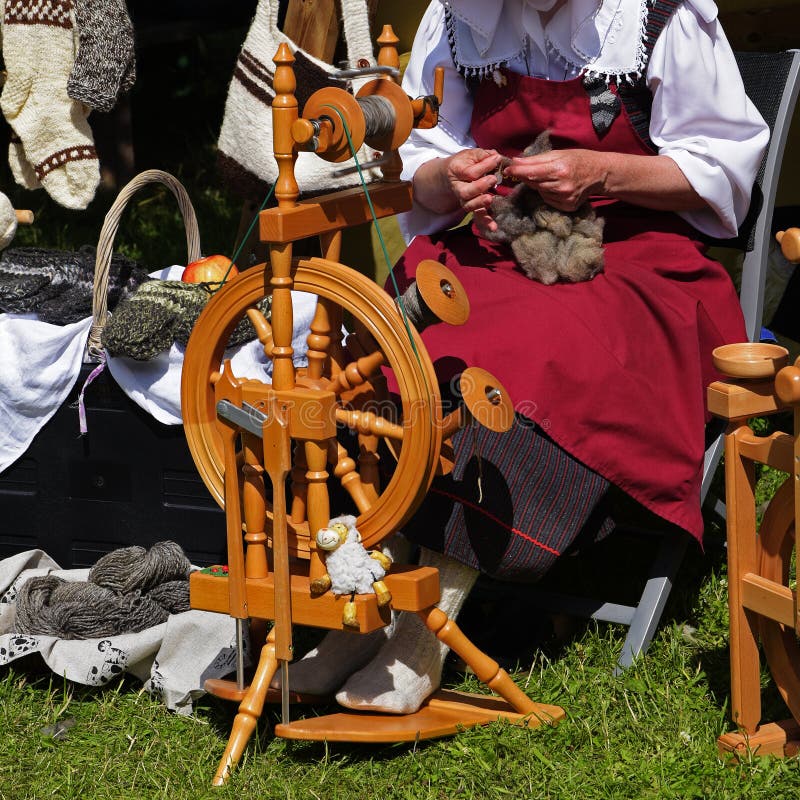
<point>128,590</point>
<point>51,606</point>
<point>131,568</point>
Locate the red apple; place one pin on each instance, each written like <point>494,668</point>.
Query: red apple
<point>211,269</point>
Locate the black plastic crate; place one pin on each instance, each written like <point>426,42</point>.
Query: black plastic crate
<point>130,480</point>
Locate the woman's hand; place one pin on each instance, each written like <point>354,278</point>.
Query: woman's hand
<point>564,178</point>
<point>472,175</point>
<point>463,180</point>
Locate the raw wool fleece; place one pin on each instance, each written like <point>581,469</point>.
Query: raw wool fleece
<point>350,566</point>
<point>58,285</point>
<point>247,161</point>
<point>38,50</point>
<point>160,313</point>
<point>550,245</point>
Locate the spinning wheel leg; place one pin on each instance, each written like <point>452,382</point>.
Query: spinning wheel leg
<point>249,711</point>
<point>486,669</point>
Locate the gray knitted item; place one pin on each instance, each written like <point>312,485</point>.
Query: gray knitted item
<point>58,285</point>
<point>160,313</point>
<point>127,591</point>
<point>105,64</point>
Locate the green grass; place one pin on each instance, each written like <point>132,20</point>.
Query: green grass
<point>649,733</point>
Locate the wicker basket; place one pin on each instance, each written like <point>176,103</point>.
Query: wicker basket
<point>105,246</point>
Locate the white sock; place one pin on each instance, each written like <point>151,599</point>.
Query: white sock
<point>324,669</point>
<point>21,168</point>
<point>409,667</point>
<point>38,51</point>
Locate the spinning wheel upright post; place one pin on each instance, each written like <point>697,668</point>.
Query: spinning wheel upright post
<point>763,606</point>
<point>269,452</point>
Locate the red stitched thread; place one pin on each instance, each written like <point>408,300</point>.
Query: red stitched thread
<point>492,517</point>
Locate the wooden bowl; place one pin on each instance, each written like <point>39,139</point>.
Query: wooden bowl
<point>750,359</point>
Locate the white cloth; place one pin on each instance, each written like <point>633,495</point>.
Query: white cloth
<point>155,385</point>
<point>701,116</point>
<point>39,364</point>
<point>173,659</point>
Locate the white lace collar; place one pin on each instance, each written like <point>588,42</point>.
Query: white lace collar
<point>603,37</point>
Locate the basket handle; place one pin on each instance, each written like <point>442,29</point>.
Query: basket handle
<point>105,246</point>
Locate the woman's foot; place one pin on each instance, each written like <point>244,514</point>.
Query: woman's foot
<point>326,667</point>
<point>408,668</point>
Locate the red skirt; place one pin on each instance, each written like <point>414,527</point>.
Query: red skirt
<point>613,370</point>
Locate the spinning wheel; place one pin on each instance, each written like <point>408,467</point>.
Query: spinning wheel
<point>383,332</point>
<point>270,452</point>
<point>762,603</point>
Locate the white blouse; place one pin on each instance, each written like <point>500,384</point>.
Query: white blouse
<point>701,117</point>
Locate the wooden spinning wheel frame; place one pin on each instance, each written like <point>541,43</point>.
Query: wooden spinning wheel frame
<point>763,606</point>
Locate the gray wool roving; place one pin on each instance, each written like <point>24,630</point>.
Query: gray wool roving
<point>127,591</point>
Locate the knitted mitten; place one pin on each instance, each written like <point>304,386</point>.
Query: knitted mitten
<point>105,66</point>
<point>409,667</point>
<point>57,139</point>
<point>144,325</point>
<point>8,222</point>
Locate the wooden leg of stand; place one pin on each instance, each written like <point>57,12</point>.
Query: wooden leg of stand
<point>486,669</point>
<point>249,711</point>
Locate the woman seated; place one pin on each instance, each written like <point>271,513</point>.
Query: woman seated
<point>650,123</point>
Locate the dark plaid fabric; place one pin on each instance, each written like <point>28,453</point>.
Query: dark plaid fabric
<point>534,501</point>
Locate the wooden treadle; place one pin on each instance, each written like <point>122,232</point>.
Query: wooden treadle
<point>443,714</point>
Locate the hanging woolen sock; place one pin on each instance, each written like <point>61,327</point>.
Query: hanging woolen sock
<point>57,139</point>
<point>8,222</point>
<point>409,667</point>
<point>21,168</point>
<point>105,66</point>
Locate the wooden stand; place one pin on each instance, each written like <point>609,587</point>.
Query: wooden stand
<point>761,603</point>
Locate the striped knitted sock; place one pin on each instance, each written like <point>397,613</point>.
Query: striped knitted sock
<point>57,139</point>
<point>105,66</point>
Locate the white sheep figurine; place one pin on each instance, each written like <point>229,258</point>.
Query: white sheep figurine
<point>351,568</point>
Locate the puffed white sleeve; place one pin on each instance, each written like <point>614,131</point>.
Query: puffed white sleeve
<point>431,50</point>
<point>702,118</point>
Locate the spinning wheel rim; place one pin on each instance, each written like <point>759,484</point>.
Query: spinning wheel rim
<point>414,372</point>
<point>780,643</point>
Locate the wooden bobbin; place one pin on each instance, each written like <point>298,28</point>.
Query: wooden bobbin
<point>442,292</point>
<point>487,400</point>
<point>789,241</point>
<point>403,114</point>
